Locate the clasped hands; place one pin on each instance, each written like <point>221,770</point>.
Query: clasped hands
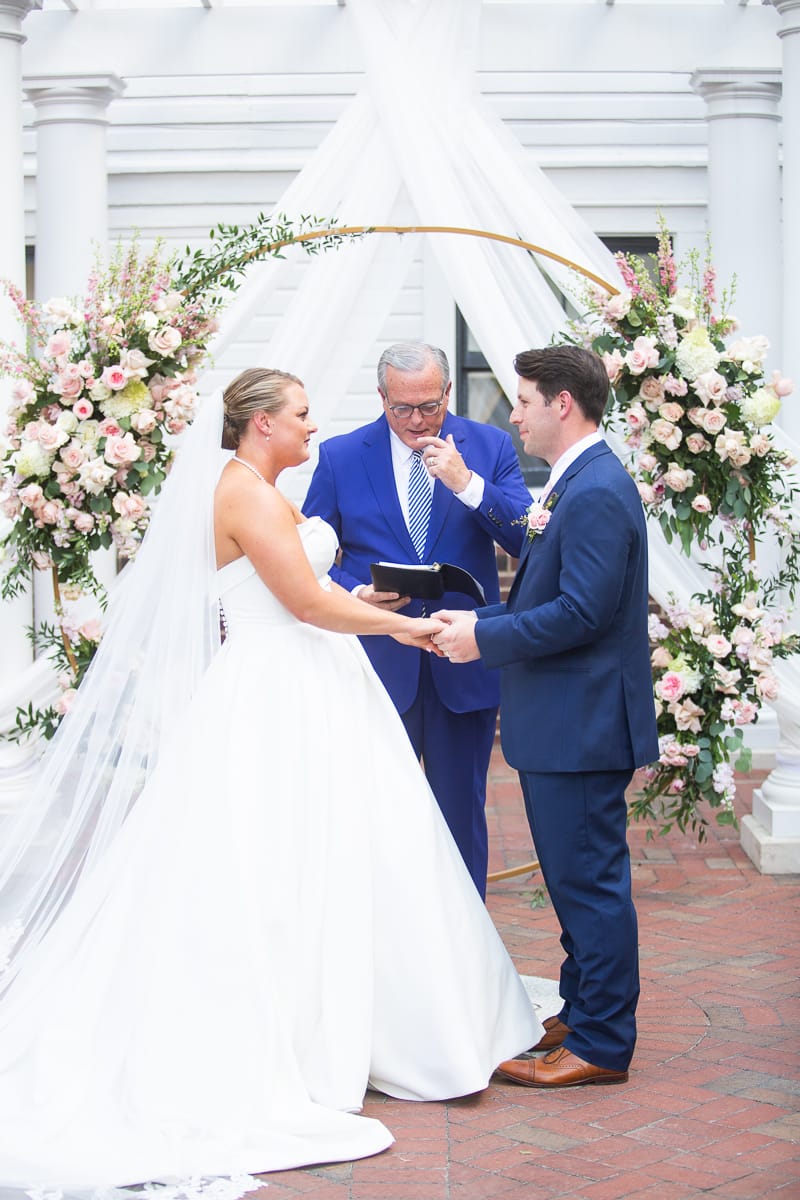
<point>449,633</point>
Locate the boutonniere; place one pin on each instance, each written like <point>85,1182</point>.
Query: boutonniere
<point>538,515</point>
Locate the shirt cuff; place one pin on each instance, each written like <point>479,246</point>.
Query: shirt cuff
<point>472,494</point>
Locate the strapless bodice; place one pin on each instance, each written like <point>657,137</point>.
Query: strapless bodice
<point>246,600</point>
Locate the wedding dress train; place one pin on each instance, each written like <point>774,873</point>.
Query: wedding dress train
<point>282,921</point>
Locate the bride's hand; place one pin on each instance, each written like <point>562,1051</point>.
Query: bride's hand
<point>419,632</point>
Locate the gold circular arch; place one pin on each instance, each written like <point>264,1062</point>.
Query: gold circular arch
<point>354,230</point>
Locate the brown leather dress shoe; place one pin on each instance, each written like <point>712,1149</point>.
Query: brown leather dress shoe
<point>559,1068</point>
<point>554,1033</point>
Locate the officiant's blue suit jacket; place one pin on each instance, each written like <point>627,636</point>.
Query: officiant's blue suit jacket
<point>353,488</point>
<point>571,642</point>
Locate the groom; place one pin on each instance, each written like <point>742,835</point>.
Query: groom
<point>577,713</point>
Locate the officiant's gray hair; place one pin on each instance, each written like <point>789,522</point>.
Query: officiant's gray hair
<point>258,389</point>
<point>412,356</point>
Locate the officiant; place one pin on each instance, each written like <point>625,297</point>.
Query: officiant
<point>422,485</point>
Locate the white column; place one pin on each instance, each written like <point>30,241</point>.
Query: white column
<point>15,650</point>
<point>744,194</point>
<point>71,217</point>
<point>789,34</point>
<point>771,835</point>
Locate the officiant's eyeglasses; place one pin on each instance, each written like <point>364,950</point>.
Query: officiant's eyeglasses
<point>403,411</point>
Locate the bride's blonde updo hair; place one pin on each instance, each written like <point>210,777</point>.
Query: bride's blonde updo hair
<point>258,389</point>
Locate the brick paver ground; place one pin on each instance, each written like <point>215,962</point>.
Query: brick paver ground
<point>711,1107</point>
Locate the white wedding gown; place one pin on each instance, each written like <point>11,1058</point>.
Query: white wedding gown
<point>283,921</point>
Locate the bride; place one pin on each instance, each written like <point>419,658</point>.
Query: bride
<point>230,904</point>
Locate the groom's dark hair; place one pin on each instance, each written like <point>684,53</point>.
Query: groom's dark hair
<point>570,369</point>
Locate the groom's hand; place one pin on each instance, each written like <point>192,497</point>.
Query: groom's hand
<point>457,640</point>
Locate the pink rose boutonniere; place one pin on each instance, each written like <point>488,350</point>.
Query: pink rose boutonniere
<point>538,515</point>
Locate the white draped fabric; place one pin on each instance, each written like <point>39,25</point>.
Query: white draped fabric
<point>418,145</point>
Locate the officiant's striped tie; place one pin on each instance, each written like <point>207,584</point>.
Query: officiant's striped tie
<point>419,503</point>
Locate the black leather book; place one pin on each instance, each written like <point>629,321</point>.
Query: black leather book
<point>425,582</point>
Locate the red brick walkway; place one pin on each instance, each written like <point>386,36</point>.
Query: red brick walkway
<point>711,1108</point>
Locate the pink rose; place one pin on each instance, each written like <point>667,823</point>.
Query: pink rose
<point>164,341</point>
<point>144,421</point>
<point>109,428</point>
<point>613,364</point>
<point>50,512</point>
<point>660,657</point>
<point>651,392</point>
<point>642,355</point>
<point>666,433</point>
<point>114,377</point>
<point>22,391</point>
<point>636,417</point>
<point>678,478</point>
<point>696,443</point>
<point>69,386</point>
<point>617,306</point>
<point>91,630</point>
<point>717,645</point>
<point>675,387</point>
<point>669,687</point>
<point>710,387</point>
<point>60,343</point>
<point>50,437</point>
<point>73,455</point>
<point>647,462</point>
<point>31,495</point>
<point>670,411</point>
<point>132,506</point>
<point>10,507</point>
<point>83,521</point>
<point>120,451</point>
<point>780,385</point>
<point>677,785</point>
<point>538,518</point>
<point>714,420</point>
<point>746,711</point>
<point>701,503</point>
<point>687,715</point>
<point>767,687</point>
<point>83,409</point>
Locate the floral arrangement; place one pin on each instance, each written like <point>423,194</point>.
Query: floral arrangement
<point>94,412</point>
<point>100,395</point>
<point>694,404</point>
<point>712,669</point>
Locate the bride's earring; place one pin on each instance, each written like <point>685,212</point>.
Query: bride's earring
<point>267,434</point>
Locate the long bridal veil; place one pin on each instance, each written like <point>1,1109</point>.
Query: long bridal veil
<point>162,630</point>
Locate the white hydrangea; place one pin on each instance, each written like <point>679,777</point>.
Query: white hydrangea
<point>762,407</point>
<point>696,353</point>
<point>32,461</point>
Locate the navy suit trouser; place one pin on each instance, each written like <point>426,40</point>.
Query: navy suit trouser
<point>455,749</point>
<point>578,822</point>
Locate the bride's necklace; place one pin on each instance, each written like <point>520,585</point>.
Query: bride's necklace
<point>250,467</point>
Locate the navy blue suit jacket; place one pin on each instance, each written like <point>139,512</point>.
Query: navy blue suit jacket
<point>572,644</point>
<point>353,488</point>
